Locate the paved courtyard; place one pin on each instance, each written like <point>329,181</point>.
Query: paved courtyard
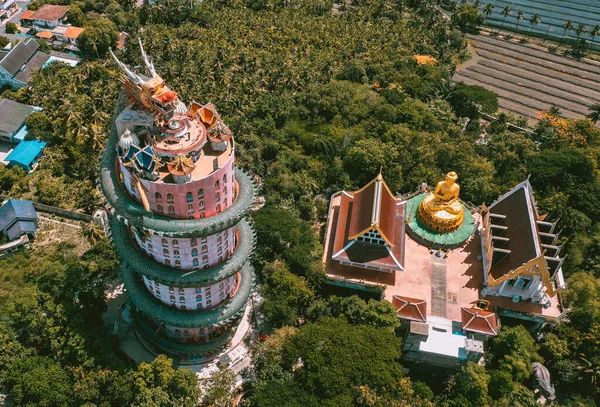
<point>446,283</point>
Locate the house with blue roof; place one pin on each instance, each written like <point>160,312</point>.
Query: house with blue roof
<point>18,218</point>
<point>26,154</point>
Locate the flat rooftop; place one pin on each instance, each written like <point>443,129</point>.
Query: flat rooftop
<point>447,284</point>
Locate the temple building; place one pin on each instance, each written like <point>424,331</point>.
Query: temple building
<point>178,204</point>
<point>452,271</point>
<point>369,233</point>
<point>520,257</point>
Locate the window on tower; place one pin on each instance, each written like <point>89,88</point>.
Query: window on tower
<point>158,197</point>
<point>200,193</point>
<point>194,251</point>
<point>217,184</point>
<point>218,208</point>
<point>201,205</point>
<point>195,262</point>
<point>171,209</point>
<point>170,198</point>
<point>189,197</point>
<point>217,197</point>
<point>166,252</point>
<point>159,208</point>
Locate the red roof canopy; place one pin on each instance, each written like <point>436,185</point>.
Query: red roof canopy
<point>411,309</point>
<point>372,208</point>
<point>479,321</point>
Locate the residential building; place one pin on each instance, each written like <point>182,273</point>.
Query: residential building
<point>18,65</point>
<point>8,8</point>
<point>49,23</point>
<point>12,126</point>
<point>47,16</point>
<point>18,218</point>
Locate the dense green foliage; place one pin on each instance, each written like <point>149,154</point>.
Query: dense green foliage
<point>318,102</point>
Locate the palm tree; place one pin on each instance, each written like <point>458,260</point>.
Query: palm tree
<point>505,12</point>
<point>594,115</point>
<point>488,9</point>
<point>520,16</point>
<point>580,29</point>
<point>533,21</point>
<point>92,232</point>
<point>546,35</point>
<point>567,26</point>
<point>590,369</point>
<point>594,31</point>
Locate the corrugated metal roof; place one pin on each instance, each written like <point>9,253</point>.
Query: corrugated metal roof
<point>13,116</point>
<point>19,56</point>
<point>25,152</point>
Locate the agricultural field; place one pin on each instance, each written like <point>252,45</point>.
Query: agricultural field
<point>529,79</point>
<point>552,16</point>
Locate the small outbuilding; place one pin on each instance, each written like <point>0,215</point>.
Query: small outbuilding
<point>18,218</point>
<point>26,154</point>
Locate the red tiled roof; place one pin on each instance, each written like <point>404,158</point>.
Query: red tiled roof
<point>356,212</point>
<point>50,12</point>
<point>479,321</point>
<point>370,202</point>
<point>122,38</point>
<point>45,34</point>
<point>27,15</point>
<point>362,209</point>
<point>411,309</point>
<point>73,32</point>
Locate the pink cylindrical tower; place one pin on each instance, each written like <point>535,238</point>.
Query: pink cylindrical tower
<point>169,174</point>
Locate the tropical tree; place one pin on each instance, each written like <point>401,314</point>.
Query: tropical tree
<point>566,26</point>
<point>594,31</point>
<point>594,114</point>
<point>505,12</point>
<point>520,16</point>
<point>488,9</point>
<point>581,29</point>
<point>92,232</point>
<point>534,20</point>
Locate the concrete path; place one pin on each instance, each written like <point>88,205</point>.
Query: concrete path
<point>438,286</point>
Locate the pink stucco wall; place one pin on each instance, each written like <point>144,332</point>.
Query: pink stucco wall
<point>193,298</point>
<point>189,253</point>
<point>194,199</point>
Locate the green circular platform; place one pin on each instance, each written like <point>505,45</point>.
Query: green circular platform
<point>433,239</point>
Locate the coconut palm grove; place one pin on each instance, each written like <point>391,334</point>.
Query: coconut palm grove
<point>370,203</point>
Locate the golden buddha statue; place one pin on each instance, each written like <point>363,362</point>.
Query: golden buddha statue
<point>441,211</point>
